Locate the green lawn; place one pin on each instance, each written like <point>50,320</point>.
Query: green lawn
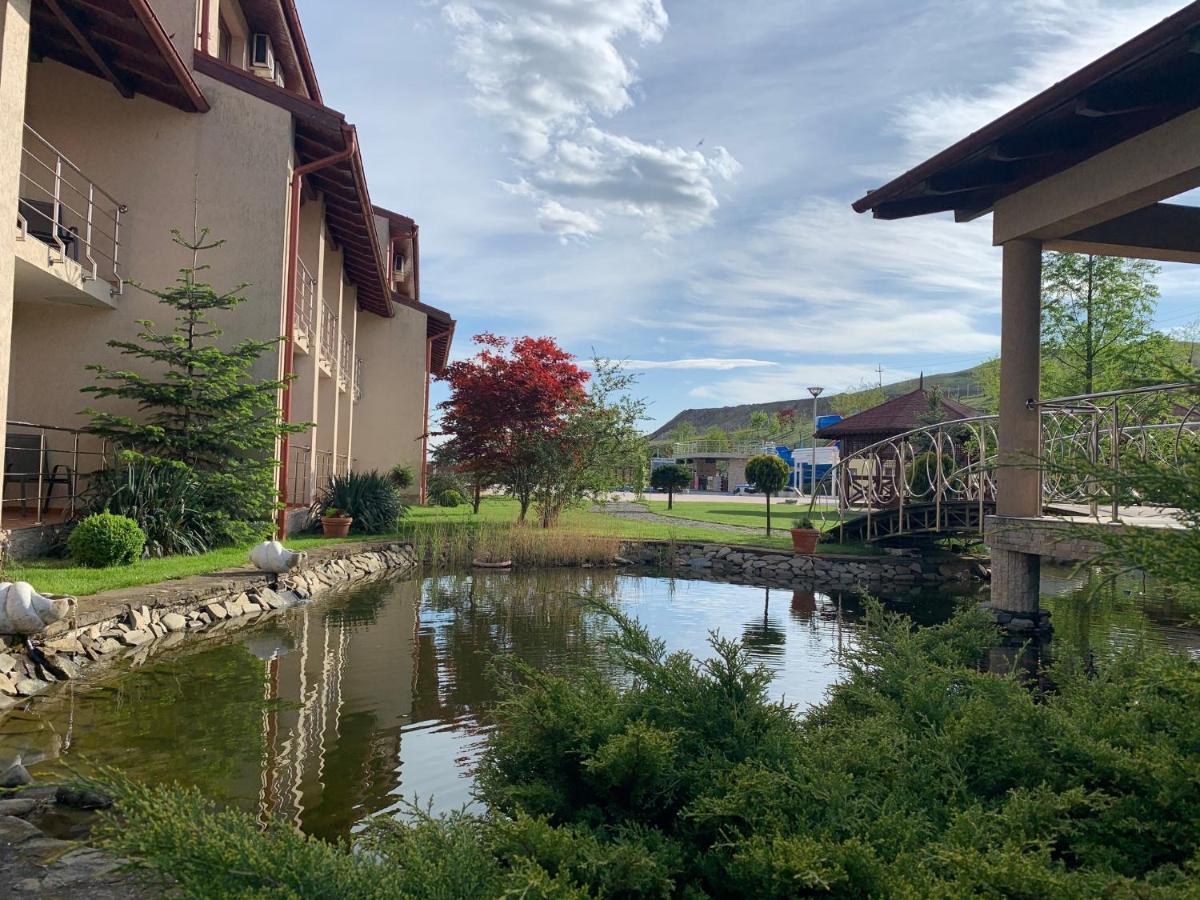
<point>749,514</point>
<point>61,576</point>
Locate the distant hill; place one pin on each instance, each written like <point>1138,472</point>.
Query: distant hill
<point>964,386</point>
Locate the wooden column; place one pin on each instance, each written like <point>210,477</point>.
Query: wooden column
<point>1015,576</point>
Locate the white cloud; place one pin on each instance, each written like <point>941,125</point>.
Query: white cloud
<point>786,383</point>
<point>1064,37</point>
<point>566,223</point>
<point>544,70</point>
<point>715,364</point>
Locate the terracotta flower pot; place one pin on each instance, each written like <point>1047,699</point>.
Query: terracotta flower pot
<point>805,540</point>
<point>336,526</point>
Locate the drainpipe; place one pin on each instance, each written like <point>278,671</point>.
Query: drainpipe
<point>293,266</point>
<point>205,16</point>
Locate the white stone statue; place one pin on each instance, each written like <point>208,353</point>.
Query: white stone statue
<point>24,611</point>
<point>273,557</point>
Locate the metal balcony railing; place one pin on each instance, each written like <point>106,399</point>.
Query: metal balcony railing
<point>325,463</point>
<point>299,457</point>
<point>329,324</point>
<point>306,302</point>
<point>344,361</point>
<point>46,470</point>
<point>358,378</point>
<point>67,211</point>
<point>688,449</point>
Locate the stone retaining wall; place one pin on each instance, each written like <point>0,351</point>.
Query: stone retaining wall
<point>138,621</point>
<point>896,569</point>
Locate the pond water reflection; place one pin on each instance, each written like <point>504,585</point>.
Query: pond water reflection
<point>333,711</point>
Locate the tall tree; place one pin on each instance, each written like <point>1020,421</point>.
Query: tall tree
<point>504,404</point>
<point>198,403</point>
<point>1097,324</point>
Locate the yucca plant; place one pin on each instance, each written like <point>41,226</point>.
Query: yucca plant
<point>166,499</point>
<point>370,498</point>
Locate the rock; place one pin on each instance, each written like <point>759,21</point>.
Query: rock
<point>1022,625</point>
<point>7,663</point>
<point>137,620</point>
<point>270,599</point>
<point>15,776</point>
<point>18,806</point>
<point>136,638</point>
<point>81,798</point>
<point>17,831</point>
<point>216,611</point>
<point>27,687</point>
<point>109,645</point>
<point>60,667</point>
<point>174,622</point>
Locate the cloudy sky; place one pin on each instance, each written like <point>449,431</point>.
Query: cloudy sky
<point>669,182</point>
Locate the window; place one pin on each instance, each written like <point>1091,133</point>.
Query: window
<point>224,41</point>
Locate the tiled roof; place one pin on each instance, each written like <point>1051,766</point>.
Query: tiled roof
<point>895,416</point>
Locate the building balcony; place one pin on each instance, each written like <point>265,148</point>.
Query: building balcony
<point>47,469</point>
<point>358,379</point>
<point>327,357</point>
<point>68,247</point>
<point>305,315</point>
<point>345,368</point>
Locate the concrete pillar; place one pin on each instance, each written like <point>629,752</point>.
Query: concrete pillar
<point>14,67</point>
<point>737,472</point>
<point>1015,576</point>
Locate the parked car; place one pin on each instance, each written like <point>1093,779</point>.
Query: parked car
<point>745,489</point>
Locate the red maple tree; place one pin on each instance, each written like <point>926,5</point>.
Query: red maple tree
<point>504,401</point>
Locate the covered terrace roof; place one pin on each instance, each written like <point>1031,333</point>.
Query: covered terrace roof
<point>322,132</point>
<point>121,41</point>
<point>1140,85</point>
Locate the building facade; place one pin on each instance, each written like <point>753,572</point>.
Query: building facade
<point>121,120</point>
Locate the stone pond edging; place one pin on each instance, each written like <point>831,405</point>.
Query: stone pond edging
<point>140,620</point>
<point>896,569</point>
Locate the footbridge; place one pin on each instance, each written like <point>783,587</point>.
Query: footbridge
<point>940,479</point>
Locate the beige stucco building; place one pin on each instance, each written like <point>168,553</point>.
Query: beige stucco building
<point>121,120</point>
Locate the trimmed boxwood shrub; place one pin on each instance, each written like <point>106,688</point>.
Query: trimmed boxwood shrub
<point>449,498</point>
<point>104,540</point>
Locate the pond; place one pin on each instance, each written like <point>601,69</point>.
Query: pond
<point>333,711</point>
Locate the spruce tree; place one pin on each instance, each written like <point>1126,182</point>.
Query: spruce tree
<point>197,402</point>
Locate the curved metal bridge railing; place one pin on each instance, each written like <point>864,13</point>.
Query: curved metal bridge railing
<point>942,476</point>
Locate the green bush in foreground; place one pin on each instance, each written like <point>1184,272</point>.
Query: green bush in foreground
<point>104,540</point>
<point>919,777</point>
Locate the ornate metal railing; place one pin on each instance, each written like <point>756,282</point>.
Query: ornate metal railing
<point>70,213</point>
<point>687,449</point>
<point>325,463</point>
<point>955,462</point>
<point>358,378</point>
<point>344,362</point>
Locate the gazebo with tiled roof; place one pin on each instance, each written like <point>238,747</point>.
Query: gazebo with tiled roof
<point>892,417</point>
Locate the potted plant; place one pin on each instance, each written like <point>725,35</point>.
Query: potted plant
<point>335,522</point>
<point>805,535</point>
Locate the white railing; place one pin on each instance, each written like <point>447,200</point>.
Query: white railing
<point>67,211</point>
<point>342,466</point>
<point>46,470</point>
<point>687,449</point>
<point>329,323</point>
<point>358,378</point>
<point>306,302</point>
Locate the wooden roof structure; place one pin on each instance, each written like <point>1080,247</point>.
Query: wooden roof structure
<point>1144,83</point>
<point>322,132</point>
<point>895,416</point>
<point>121,41</point>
